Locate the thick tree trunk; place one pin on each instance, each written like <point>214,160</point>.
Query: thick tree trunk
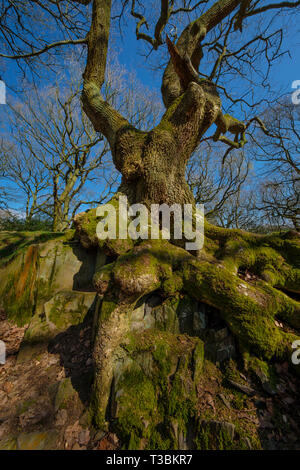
<point>159,176</point>
<point>60,221</point>
<point>152,163</point>
<point>62,202</point>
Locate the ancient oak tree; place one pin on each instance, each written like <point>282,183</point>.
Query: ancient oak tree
<point>132,391</point>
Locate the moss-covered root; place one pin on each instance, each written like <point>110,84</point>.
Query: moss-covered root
<point>113,325</point>
<point>121,284</point>
<point>145,382</point>
<point>86,230</point>
<point>248,309</point>
<point>273,257</point>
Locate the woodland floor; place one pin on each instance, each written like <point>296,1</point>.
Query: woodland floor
<point>27,392</point>
<point>28,408</point>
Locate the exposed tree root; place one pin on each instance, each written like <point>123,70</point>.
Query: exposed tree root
<point>250,309</point>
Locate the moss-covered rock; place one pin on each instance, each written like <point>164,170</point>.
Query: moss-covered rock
<point>248,309</point>
<point>156,389</point>
<point>214,435</point>
<point>37,441</point>
<point>86,228</point>
<point>65,395</point>
<point>36,272</point>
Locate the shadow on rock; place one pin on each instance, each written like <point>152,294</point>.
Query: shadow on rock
<point>75,347</point>
<point>83,279</point>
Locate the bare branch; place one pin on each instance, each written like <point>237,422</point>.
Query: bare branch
<point>45,49</point>
<point>273,6</point>
<point>104,118</point>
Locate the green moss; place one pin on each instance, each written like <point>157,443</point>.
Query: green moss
<point>262,370</point>
<point>273,257</point>
<point>134,420</point>
<point>208,438</point>
<point>65,395</point>
<point>19,309</point>
<point>167,365</point>
<point>165,124</point>
<point>129,272</point>
<point>151,398</point>
<point>202,440</point>
<point>292,280</point>
<point>87,227</point>
<point>246,434</point>
<point>86,230</point>
<point>181,405</point>
<point>102,278</point>
<point>25,406</point>
<point>157,441</point>
<point>287,245</point>
<point>252,323</point>
<point>172,285</point>
<point>166,318</point>
<point>286,308</point>
<point>211,246</point>
<point>97,415</point>
<point>13,244</point>
<point>64,312</point>
<point>20,289</point>
<point>107,307</point>
<point>231,371</point>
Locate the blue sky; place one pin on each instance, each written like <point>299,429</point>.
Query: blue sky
<point>284,71</point>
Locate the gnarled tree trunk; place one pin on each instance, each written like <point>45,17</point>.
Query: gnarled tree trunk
<point>153,165</point>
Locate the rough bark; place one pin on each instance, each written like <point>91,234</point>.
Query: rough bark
<point>153,163</point>
<point>189,44</point>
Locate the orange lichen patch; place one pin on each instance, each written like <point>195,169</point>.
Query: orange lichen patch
<point>27,276</point>
<point>18,294</point>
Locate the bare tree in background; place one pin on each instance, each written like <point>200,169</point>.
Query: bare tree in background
<point>53,153</point>
<point>239,211</point>
<point>279,152</point>
<point>25,178</point>
<point>216,184</point>
<point>208,33</point>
